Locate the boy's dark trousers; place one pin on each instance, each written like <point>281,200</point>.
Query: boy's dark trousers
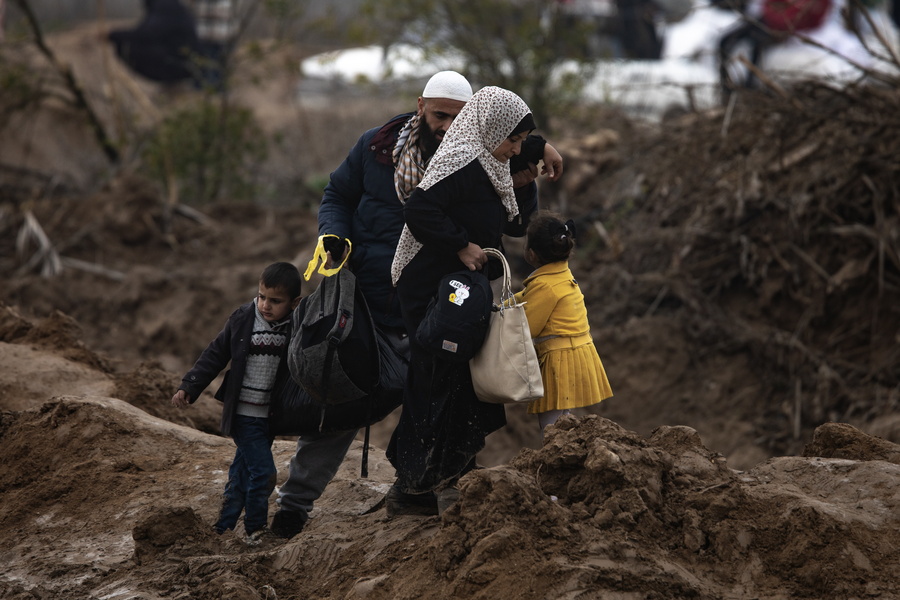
<point>251,477</point>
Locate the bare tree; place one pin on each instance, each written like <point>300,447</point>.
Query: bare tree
<point>79,100</point>
<point>527,46</point>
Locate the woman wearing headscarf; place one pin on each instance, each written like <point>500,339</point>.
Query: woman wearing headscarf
<point>465,202</point>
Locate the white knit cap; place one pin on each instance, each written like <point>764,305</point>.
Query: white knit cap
<point>448,84</point>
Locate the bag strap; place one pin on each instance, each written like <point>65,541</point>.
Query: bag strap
<point>343,323</point>
<point>507,298</point>
<point>364,465</point>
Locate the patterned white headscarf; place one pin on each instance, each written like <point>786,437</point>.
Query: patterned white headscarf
<point>481,126</point>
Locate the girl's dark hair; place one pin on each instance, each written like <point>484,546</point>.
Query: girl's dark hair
<point>282,275</point>
<point>549,237</point>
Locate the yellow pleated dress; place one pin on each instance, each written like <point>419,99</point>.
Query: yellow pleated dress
<point>570,365</point>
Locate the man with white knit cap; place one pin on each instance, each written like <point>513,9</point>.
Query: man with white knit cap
<point>363,202</point>
<point>448,84</point>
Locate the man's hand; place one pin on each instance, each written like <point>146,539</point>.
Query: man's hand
<point>525,176</point>
<point>181,399</point>
<point>473,257</point>
<point>553,163</point>
<point>335,249</point>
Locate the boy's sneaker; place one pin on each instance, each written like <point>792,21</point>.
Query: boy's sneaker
<point>400,503</point>
<point>288,523</point>
<point>254,538</point>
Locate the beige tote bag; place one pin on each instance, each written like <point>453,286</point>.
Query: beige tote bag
<point>506,368</point>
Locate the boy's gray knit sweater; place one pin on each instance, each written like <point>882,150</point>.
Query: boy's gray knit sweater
<point>267,345</point>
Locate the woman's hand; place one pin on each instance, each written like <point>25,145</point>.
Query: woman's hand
<point>473,257</point>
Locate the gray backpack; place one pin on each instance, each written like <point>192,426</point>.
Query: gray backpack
<point>345,373</point>
<point>333,352</point>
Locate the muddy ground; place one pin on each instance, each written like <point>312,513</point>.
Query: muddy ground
<point>742,272</point>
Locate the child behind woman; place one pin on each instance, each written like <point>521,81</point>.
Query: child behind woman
<point>570,366</point>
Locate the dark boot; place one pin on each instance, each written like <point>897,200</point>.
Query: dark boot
<point>286,523</point>
<point>401,503</point>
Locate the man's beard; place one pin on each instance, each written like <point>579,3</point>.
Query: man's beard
<point>428,141</point>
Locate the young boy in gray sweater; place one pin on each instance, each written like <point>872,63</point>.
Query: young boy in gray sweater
<point>255,341</point>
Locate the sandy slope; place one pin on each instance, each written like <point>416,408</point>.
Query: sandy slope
<point>101,500</point>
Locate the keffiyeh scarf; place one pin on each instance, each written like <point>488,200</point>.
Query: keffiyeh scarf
<point>409,166</point>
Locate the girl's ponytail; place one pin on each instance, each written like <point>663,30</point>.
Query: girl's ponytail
<point>550,238</point>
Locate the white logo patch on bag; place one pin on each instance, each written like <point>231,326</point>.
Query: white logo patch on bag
<point>461,293</point>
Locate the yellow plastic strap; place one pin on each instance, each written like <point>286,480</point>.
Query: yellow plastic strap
<point>320,255</point>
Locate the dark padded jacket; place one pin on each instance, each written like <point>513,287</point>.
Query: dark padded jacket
<point>361,204</point>
<point>232,344</point>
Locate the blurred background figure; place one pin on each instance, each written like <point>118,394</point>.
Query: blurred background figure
<point>630,29</point>
<point>593,24</point>
<point>217,30</point>
<point>749,36</point>
<point>163,45</point>
<point>637,29</point>
<point>774,36</point>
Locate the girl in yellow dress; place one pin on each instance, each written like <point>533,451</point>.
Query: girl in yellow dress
<point>570,366</point>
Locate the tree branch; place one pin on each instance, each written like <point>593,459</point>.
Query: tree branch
<point>81,102</point>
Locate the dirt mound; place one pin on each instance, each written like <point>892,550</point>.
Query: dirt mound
<point>94,488</point>
<point>149,385</point>
<point>47,358</point>
<point>839,440</point>
<point>756,251</point>
<point>172,532</point>
<point>58,333</point>
<point>101,499</point>
<point>44,359</point>
<point>140,293</point>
